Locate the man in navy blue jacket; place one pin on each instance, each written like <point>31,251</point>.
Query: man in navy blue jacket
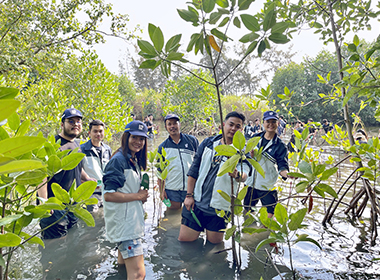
<point>181,148</point>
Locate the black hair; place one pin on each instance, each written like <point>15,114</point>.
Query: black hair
<point>141,156</point>
<point>95,123</point>
<point>236,115</point>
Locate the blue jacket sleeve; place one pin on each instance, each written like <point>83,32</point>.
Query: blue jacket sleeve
<point>114,177</point>
<point>282,158</point>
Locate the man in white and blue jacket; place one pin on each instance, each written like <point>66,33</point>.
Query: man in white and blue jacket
<point>97,156</point>
<point>274,161</point>
<point>181,148</point>
<point>202,198</point>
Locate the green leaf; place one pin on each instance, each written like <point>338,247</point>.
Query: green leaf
<point>257,166</point>
<point>17,146</point>
<point>251,143</point>
<point>187,15</point>
<point>218,34</point>
<point>9,240</point>
<point>225,150</point>
<point>305,133</point>
<point>9,219</point>
<point>173,43</point>
<point>148,64</point>
<point>250,22</point>
<point>304,237</point>
<point>14,121</point>
<point>208,5</point>
<point>222,3</point>
<point>60,193</point>
<point>264,242</point>
<point>54,164</point>
<point>327,173</point>
<point>239,140</point>
<point>2,261</point>
<point>174,56</point>
<point>91,201</point>
<point>33,240</point>
<point>242,193</point>
<point>328,189</point>
<point>21,165</point>
<point>84,191</point>
<point>268,222</point>
<point>269,20</point>
<point>296,175</point>
<point>214,17</point>
<point>8,107</point>
<point>305,167</point>
<point>3,134</point>
<point>301,186</point>
<point>244,4</point>
<point>238,209</point>
<point>224,22</point>
<point>224,195</point>
<point>146,47</point>
<point>156,36</point>
<point>296,219</point>
<point>250,37</point>
<point>251,48</point>
<point>279,27</point>
<point>8,93</point>
<point>34,177</point>
<point>356,40</point>
<point>229,165</point>
<point>237,22</point>
<point>262,47</point>
<point>85,216</point>
<point>23,128</point>
<point>278,38</point>
<point>281,214</point>
<point>71,161</point>
<point>229,232</point>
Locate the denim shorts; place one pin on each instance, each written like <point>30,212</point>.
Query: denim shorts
<point>176,196</point>
<point>130,248</point>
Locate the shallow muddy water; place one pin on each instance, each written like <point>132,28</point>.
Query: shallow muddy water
<point>85,253</point>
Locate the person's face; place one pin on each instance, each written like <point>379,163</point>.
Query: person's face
<point>270,125</point>
<point>97,133</point>
<point>151,118</point>
<point>173,127</point>
<point>136,143</point>
<point>71,127</point>
<point>231,125</point>
<point>257,122</point>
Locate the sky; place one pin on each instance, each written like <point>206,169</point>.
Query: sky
<point>163,13</point>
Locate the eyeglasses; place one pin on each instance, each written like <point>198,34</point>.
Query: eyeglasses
<point>72,122</point>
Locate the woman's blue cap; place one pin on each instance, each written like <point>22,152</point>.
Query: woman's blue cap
<point>137,128</point>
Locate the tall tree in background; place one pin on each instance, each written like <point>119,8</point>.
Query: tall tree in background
<point>39,34</point>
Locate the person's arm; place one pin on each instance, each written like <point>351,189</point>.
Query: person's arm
<point>120,197</point>
<point>42,192</point>
<point>84,177</point>
<point>189,200</point>
<point>238,175</point>
<point>161,185</point>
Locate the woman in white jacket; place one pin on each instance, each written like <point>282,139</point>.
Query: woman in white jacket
<point>123,198</point>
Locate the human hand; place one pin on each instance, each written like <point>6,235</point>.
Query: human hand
<point>143,195</point>
<point>189,203</point>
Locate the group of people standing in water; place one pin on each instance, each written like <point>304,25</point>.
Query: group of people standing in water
<point>191,184</point>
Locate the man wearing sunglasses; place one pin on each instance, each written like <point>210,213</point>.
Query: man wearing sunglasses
<point>71,127</point>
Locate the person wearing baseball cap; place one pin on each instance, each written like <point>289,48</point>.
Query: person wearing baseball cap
<point>182,148</point>
<point>71,127</point>
<point>123,198</point>
<point>274,161</point>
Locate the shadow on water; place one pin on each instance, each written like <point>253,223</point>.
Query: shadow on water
<point>86,254</point>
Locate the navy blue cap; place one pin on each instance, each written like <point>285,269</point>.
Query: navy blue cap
<point>171,116</point>
<point>70,113</point>
<point>137,128</point>
<point>270,115</point>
